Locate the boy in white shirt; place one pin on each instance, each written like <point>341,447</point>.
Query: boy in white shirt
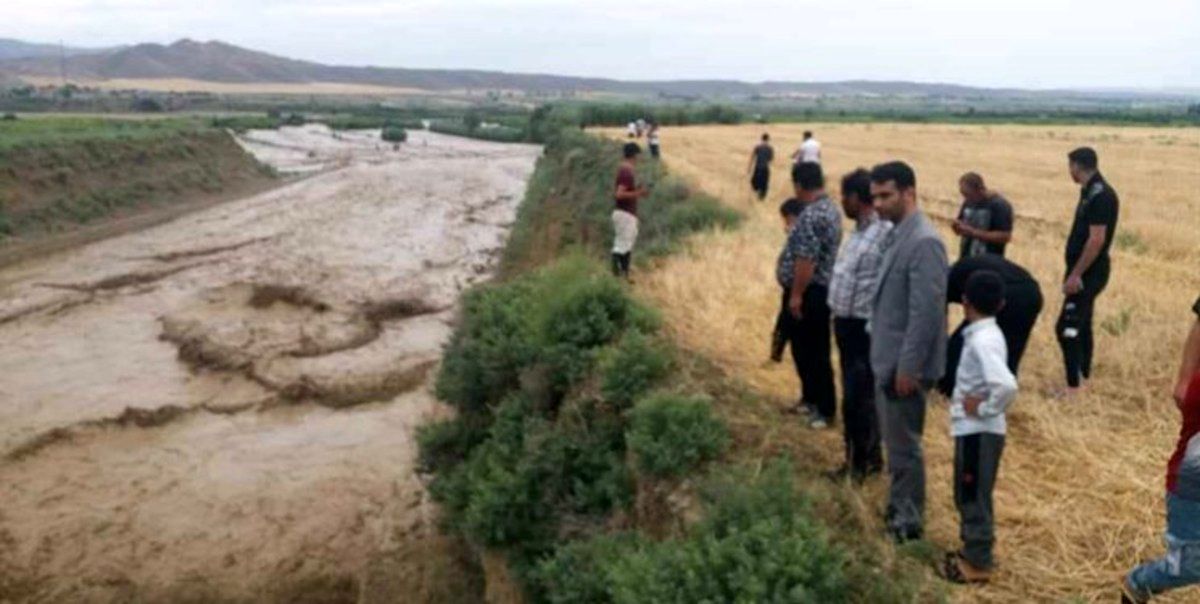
<point>984,389</point>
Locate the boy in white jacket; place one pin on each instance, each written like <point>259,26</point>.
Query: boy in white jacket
<point>984,389</point>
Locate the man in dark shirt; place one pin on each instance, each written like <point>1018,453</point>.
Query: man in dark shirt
<point>1022,304</point>
<point>985,221</point>
<point>1088,264</point>
<point>760,166</point>
<point>624,216</point>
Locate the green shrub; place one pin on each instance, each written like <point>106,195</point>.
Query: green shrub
<point>579,571</point>
<point>631,368</point>
<point>394,134</point>
<point>9,117</point>
<point>670,434</point>
<point>447,443</point>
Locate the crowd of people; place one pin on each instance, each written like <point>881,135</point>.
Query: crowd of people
<point>882,297</point>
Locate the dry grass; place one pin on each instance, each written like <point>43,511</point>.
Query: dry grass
<point>1080,495</point>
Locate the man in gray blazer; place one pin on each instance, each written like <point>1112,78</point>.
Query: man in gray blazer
<point>908,339</point>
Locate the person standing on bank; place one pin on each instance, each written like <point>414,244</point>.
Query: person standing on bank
<point>1088,265</point>
<point>985,221</point>
<point>653,141</point>
<point>1181,566</point>
<point>908,340</point>
<point>624,216</point>
<point>804,269</point>
<point>760,166</point>
<point>1023,303</point>
<point>851,291</point>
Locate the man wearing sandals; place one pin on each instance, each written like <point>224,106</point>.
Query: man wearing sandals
<point>1181,566</point>
<point>984,389</point>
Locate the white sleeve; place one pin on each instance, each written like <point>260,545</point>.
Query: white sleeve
<point>1001,383</point>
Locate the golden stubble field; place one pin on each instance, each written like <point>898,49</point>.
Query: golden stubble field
<point>1080,494</point>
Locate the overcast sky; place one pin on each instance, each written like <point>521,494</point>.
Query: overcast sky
<point>1023,43</point>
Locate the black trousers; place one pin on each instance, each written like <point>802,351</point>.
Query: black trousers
<point>976,464</point>
<point>1074,327</point>
<point>860,425</point>
<point>809,338</point>
<point>1016,320</point>
<point>761,181</point>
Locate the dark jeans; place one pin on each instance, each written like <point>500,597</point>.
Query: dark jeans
<point>809,339</point>
<point>1016,320</point>
<point>976,463</point>
<point>1074,327</point>
<point>861,427</point>
<point>760,181</point>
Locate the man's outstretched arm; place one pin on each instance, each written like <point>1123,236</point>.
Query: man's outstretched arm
<point>1191,360</point>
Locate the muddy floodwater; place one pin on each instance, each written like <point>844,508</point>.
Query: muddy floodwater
<point>224,406</point>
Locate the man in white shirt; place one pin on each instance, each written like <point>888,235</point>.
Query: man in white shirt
<point>809,151</point>
<point>984,389</point>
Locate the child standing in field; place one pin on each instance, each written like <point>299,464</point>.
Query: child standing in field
<point>1181,566</point>
<point>984,389</point>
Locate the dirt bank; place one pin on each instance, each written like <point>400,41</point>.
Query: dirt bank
<point>223,407</point>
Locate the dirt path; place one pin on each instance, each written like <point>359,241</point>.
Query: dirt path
<point>223,406</point>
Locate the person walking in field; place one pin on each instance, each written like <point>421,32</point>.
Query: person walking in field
<point>653,141</point>
<point>1181,566</point>
<point>760,166</point>
<point>851,291</point>
<point>809,151</point>
<point>985,220</point>
<point>908,340</point>
<point>624,216</point>
<point>804,269</point>
<point>1022,305</point>
<point>984,390</point>
<point>1088,265</point>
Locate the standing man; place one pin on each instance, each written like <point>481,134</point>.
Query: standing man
<point>1181,566</point>
<point>908,339</point>
<point>624,216</point>
<point>851,293</point>
<point>804,269</point>
<point>652,140</point>
<point>760,166</point>
<point>1022,305</point>
<point>1088,265</point>
<point>985,221</point>
<point>809,151</point>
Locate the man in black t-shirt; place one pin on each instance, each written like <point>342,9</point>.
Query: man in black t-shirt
<point>1088,264</point>
<point>1022,304</point>
<point>760,166</point>
<point>985,221</point>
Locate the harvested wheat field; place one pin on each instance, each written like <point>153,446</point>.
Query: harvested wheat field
<point>1080,495</point>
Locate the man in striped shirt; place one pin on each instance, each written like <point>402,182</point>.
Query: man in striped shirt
<point>851,293</point>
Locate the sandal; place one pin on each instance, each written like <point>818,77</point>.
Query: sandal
<point>956,569</point>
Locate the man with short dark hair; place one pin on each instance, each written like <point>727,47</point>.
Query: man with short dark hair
<point>851,292</point>
<point>809,151</point>
<point>1088,265</point>
<point>908,339</point>
<point>760,166</point>
<point>624,216</point>
<point>804,269</point>
<point>985,220</point>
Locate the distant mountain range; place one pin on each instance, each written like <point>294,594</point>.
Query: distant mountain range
<point>216,61</point>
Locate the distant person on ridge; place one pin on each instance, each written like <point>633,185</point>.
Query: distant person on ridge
<point>624,216</point>
<point>652,140</point>
<point>1022,305</point>
<point>984,390</point>
<point>809,151</point>
<point>851,293</point>
<point>985,220</point>
<point>1181,566</point>
<point>804,269</point>
<point>1088,265</point>
<point>760,166</point>
<point>908,340</point>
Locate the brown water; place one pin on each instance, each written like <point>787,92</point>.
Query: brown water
<point>225,404</point>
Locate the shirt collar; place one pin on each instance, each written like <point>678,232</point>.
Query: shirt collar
<point>1097,177</point>
<point>978,325</point>
<point>864,224</point>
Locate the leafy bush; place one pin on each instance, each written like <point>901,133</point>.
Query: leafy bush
<point>631,368</point>
<point>394,134</point>
<point>9,117</point>
<point>446,443</point>
<point>757,543</point>
<point>670,434</point>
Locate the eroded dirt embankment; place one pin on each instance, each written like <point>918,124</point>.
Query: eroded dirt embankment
<point>223,407</point>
